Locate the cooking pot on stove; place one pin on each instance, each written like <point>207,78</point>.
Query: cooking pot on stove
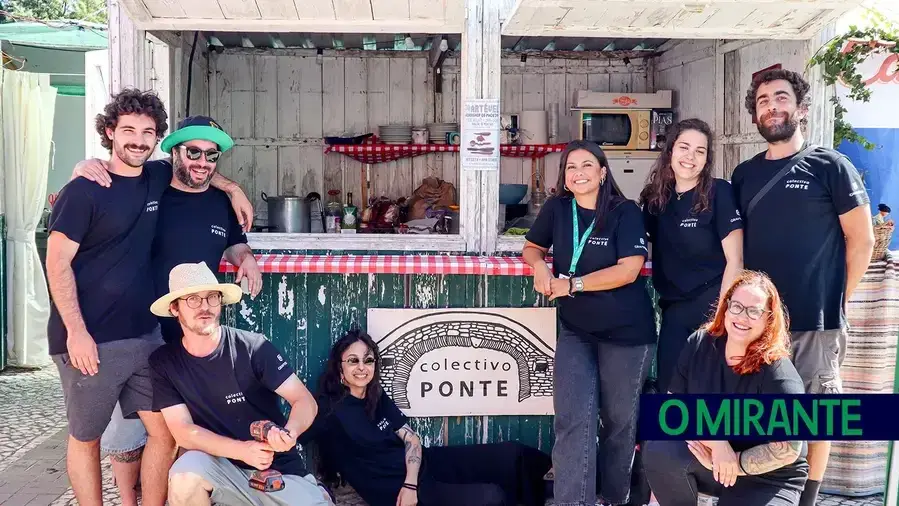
<point>287,214</point>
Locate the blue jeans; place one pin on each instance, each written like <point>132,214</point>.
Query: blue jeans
<point>591,378</point>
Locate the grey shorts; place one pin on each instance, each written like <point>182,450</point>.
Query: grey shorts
<point>124,377</point>
<point>818,356</point>
<point>230,484</point>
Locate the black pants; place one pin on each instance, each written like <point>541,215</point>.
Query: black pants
<point>679,320</point>
<point>497,474</point>
<point>677,478</point>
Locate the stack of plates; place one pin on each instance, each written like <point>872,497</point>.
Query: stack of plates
<point>395,134</point>
<point>437,131</point>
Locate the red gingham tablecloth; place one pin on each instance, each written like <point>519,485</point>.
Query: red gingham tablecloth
<point>393,264</point>
<point>378,153</point>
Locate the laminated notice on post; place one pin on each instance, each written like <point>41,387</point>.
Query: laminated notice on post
<point>479,147</point>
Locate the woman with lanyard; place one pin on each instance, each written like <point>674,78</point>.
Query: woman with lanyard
<point>696,235</point>
<point>607,335</point>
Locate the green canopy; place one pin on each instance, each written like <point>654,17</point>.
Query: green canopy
<point>56,35</point>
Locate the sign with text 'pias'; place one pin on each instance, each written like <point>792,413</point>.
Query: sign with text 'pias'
<point>458,362</point>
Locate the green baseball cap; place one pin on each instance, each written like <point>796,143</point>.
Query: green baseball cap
<point>195,128</point>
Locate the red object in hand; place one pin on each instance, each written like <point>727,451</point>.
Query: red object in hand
<point>52,199</point>
<point>268,480</point>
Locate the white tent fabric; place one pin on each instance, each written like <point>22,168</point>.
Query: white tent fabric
<point>27,104</point>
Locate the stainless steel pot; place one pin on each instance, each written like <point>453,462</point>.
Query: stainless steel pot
<point>287,214</point>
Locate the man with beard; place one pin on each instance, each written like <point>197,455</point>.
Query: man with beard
<point>196,224</point>
<point>211,384</point>
<point>810,232</point>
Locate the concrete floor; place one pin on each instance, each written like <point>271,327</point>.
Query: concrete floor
<point>33,443</point>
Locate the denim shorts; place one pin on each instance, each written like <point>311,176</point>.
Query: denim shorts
<point>123,435</point>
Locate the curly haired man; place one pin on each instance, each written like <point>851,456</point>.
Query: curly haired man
<point>818,258</point>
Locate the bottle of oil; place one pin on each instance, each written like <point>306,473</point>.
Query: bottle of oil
<point>333,212</point>
<point>349,222</point>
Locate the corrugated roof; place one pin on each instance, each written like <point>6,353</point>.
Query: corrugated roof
<point>56,35</point>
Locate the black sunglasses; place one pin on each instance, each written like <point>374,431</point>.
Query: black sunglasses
<point>194,154</point>
<point>354,361</point>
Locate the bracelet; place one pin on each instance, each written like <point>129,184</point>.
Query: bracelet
<point>410,486</point>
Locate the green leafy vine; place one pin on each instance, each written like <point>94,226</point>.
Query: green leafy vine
<point>839,60</point>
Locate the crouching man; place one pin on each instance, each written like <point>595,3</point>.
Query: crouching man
<point>211,385</point>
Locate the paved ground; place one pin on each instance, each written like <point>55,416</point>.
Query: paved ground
<point>33,437</point>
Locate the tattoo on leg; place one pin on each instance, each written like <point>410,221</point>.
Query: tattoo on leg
<point>127,457</point>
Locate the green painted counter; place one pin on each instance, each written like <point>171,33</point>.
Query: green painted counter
<point>304,313</point>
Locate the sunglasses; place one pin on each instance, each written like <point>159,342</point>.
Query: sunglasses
<point>754,313</point>
<point>354,361</point>
<point>194,154</point>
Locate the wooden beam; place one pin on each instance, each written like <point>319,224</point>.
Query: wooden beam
<point>127,50</point>
<point>743,138</point>
<point>654,32</point>
<point>480,79</point>
<point>821,111</point>
<point>790,4</point>
<point>718,126</point>
<point>135,10</point>
<point>364,26</point>
<point>735,45</point>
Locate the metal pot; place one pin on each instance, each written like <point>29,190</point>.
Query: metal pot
<point>288,214</point>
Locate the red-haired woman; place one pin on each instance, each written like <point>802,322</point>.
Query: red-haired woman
<point>696,234</point>
<point>743,350</point>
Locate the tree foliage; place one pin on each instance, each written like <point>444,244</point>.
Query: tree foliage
<point>93,11</point>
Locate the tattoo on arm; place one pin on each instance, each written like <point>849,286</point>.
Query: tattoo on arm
<point>413,446</point>
<point>768,457</point>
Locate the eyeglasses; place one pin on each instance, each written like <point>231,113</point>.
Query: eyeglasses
<point>193,153</point>
<point>354,361</point>
<point>754,313</point>
<point>195,301</point>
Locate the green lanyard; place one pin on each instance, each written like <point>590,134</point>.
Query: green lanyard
<point>578,242</point>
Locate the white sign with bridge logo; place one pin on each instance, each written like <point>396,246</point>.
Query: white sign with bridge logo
<point>458,362</point>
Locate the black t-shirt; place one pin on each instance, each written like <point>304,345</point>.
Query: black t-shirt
<point>228,389</point>
<point>623,314</point>
<point>192,227</point>
<point>114,227</point>
<point>366,452</point>
<point>702,369</point>
<point>794,232</point>
<point>687,256</point>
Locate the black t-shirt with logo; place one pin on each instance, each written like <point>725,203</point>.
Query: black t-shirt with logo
<point>702,369</point>
<point>228,389</point>
<point>794,232</point>
<point>366,451</point>
<point>687,256</point>
<point>114,227</point>
<point>623,314</point>
<point>192,227</point>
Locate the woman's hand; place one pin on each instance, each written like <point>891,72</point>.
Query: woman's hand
<point>542,277</point>
<point>561,287</point>
<point>725,466</point>
<point>407,497</point>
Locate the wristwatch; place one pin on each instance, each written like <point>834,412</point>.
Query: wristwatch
<point>577,285</point>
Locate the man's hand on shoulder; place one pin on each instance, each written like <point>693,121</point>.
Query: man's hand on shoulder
<point>93,169</point>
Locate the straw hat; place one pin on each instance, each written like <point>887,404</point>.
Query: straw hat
<point>187,279</point>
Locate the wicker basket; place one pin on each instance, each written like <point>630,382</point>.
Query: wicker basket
<point>882,235</point>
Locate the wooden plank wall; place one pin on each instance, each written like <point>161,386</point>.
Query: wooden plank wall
<point>279,103</point>
<point>689,69</point>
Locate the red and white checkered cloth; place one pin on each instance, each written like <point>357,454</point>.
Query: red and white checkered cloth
<point>379,153</point>
<point>392,264</point>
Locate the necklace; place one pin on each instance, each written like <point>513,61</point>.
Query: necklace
<point>680,194</point>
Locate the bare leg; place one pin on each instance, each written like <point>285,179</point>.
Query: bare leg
<point>159,454</point>
<point>83,463</point>
<point>189,489</point>
<point>126,469</point>
<point>818,455</point>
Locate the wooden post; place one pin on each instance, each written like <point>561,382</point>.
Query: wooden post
<point>480,79</point>
<point>821,111</point>
<point>127,50</point>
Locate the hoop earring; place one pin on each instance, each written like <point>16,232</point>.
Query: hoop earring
<point>565,187</point>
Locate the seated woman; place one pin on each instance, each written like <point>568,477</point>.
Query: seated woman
<point>743,350</point>
<point>361,434</point>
